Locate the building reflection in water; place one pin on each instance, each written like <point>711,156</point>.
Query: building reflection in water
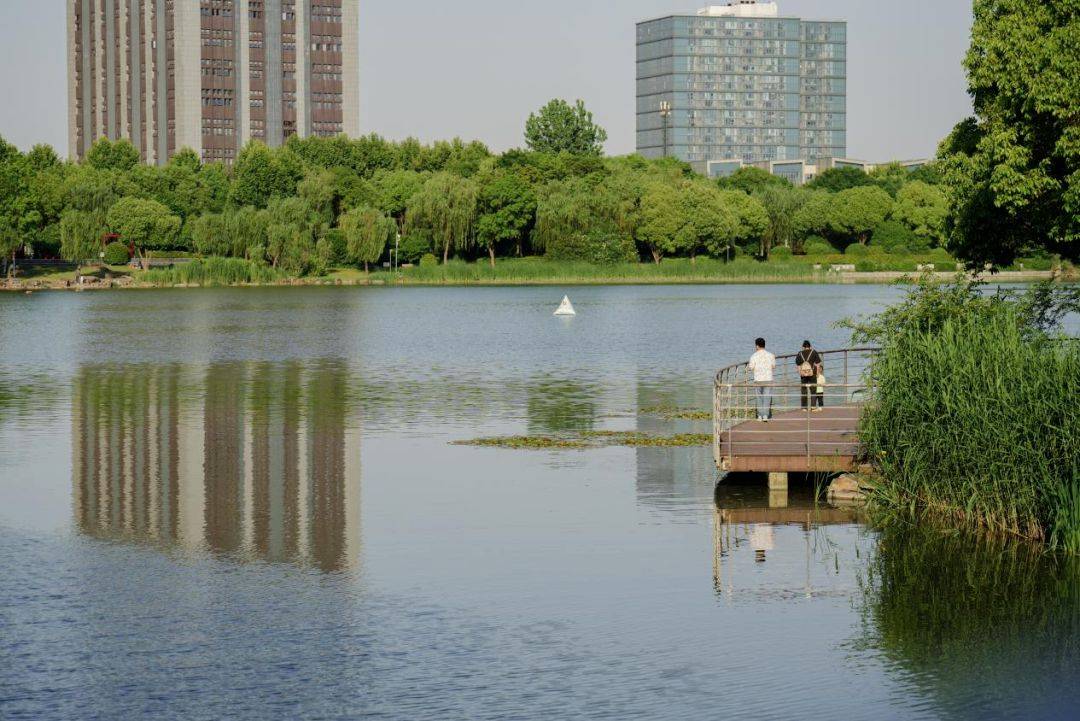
<point>746,529</point>
<point>255,461</point>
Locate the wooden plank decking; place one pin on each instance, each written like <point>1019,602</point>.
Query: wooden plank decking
<point>794,442</point>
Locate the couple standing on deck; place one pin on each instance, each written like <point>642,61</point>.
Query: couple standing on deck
<point>811,369</point>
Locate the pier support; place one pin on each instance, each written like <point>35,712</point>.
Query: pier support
<point>778,490</point>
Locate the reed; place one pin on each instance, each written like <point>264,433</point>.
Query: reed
<point>545,271</point>
<point>212,271</point>
<point>976,422</point>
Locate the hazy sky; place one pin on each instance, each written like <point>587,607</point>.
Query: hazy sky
<point>476,68</point>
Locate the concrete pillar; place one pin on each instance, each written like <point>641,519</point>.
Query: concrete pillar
<point>778,498</point>
<point>778,481</point>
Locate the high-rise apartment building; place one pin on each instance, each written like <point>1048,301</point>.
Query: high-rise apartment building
<point>740,82</point>
<point>210,75</point>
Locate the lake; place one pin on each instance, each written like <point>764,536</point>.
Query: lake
<point>248,504</point>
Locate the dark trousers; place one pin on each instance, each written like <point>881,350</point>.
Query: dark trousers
<point>810,395</point>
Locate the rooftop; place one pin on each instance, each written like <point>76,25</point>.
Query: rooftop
<point>742,9</point>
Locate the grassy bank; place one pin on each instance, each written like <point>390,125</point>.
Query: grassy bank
<point>976,419</point>
<point>215,271</point>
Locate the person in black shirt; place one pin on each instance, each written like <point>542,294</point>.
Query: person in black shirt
<point>810,365</point>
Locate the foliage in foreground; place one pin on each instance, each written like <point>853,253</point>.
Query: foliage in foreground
<point>975,421</point>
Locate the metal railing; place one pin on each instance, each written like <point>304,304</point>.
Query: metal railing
<point>796,429</point>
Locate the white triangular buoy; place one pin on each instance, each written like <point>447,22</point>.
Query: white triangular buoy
<point>566,307</point>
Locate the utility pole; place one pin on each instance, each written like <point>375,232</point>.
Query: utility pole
<point>665,115</point>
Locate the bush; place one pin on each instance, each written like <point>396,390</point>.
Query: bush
<point>816,245</point>
<point>414,246</point>
<point>116,253</point>
<point>855,250</point>
<point>940,255</point>
<point>781,253</point>
<point>898,250</point>
<point>599,246</point>
<point>428,260</point>
<point>889,236</point>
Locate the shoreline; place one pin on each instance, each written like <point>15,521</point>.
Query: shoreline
<point>23,285</point>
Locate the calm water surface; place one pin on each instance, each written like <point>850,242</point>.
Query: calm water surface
<point>246,504</point>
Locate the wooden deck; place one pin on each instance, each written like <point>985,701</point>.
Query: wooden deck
<point>794,442</point>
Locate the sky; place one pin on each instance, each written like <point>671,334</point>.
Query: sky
<point>475,69</point>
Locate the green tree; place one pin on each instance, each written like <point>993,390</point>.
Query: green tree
<point>1013,171</point>
<point>394,189</point>
<point>145,223</point>
<point>857,211</point>
<point>660,221</point>
<point>559,127</point>
<point>210,234</point>
<point>445,208</point>
<point>579,220</point>
<point>104,154</point>
<point>707,222</point>
<point>781,205</point>
<point>752,180</point>
<point>81,234</point>
<point>814,215</point>
<point>248,229</point>
<point>751,220</point>
<point>367,232</point>
<point>506,210</point>
<point>922,208</point>
<point>836,179</point>
<point>10,243</point>
<point>260,175</point>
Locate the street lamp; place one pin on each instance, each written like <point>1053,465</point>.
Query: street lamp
<point>665,114</point>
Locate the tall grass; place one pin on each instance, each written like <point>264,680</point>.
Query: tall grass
<point>976,422</point>
<point>212,271</point>
<point>543,270</point>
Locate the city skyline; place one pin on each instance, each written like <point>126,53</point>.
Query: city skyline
<point>906,85</point>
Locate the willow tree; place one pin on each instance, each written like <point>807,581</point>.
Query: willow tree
<point>446,209</point>
<point>367,232</point>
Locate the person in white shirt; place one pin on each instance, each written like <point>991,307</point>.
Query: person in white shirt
<point>762,364</point>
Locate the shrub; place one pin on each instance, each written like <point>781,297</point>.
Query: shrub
<point>428,260</point>
<point>781,253</point>
<point>856,250</point>
<point>600,246</point>
<point>940,255</point>
<point>816,245</point>
<point>888,236</point>
<point>898,250</point>
<point>116,253</point>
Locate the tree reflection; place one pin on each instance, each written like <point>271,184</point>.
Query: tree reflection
<point>960,613</point>
<point>255,461</point>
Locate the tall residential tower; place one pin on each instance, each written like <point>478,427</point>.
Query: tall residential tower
<point>741,83</point>
<point>210,75</point>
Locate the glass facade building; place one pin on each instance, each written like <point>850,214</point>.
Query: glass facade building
<point>741,82</point>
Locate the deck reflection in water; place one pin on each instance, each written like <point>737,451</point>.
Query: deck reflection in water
<point>254,461</point>
<point>745,538</point>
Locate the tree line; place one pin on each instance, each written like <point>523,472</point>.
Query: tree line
<point>317,203</point>
<point>1006,184</point>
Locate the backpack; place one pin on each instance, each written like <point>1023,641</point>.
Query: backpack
<point>806,368</point>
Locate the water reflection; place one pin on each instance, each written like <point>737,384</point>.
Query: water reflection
<point>985,629</point>
<point>257,461</point>
<point>779,546</point>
